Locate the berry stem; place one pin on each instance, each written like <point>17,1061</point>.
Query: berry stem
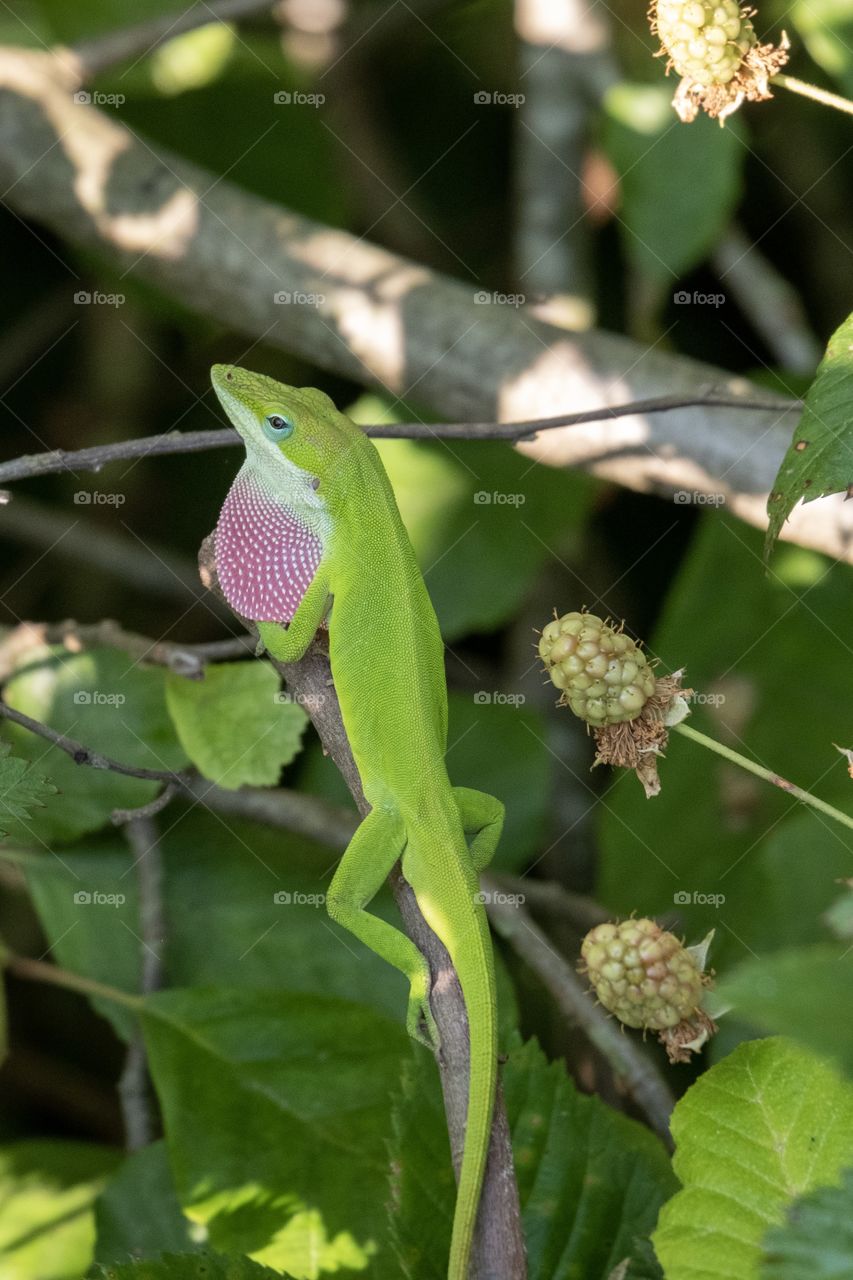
<point>39,971</point>
<point>751,767</point>
<point>812,91</point>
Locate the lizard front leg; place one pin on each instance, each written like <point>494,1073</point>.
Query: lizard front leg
<point>364,868</point>
<point>289,643</point>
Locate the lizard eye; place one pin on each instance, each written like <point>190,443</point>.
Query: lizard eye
<point>277,428</point>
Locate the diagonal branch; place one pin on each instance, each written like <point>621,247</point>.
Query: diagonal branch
<point>364,313</point>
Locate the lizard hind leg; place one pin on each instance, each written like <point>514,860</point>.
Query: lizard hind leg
<point>366,864</point>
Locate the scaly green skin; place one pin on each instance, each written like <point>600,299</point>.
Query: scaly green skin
<point>387,661</point>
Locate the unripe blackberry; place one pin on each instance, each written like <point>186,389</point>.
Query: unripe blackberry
<point>706,40</point>
<point>642,974</point>
<point>602,674</point>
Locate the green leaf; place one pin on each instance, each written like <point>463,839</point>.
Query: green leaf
<point>137,1214</point>
<point>816,1242</point>
<point>21,789</point>
<point>590,1180</point>
<point>679,186</point>
<point>423,1189</point>
<point>88,906</point>
<point>104,700</point>
<point>838,917</point>
<point>276,1109</point>
<point>800,991</point>
<point>765,1125</point>
<point>189,1266</point>
<point>826,27</point>
<point>236,725</point>
<point>819,459</point>
<point>46,1193</point>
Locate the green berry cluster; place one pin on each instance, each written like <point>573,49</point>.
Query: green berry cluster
<point>642,974</point>
<point>706,40</point>
<point>603,675</point>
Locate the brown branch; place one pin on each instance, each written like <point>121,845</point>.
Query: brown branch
<point>629,1063</point>
<point>97,456</point>
<point>498,1250</point>
<point>355,309</point>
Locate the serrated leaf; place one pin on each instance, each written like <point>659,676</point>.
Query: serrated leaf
<point>819,459</point>
<point>189,1266</point>
<point>137,1215</point>
<point>799,991</point>
<point>765,1125</point>
<point>46,1193</point>
<point>104,700</point>
<point>235,724</point>
<point>422,1188</point>
<point>816,1241</point>
<point>276,1113</point>
<point>590,1180</point>
<point>21,789</point>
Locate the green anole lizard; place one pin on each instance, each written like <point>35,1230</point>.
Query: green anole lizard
<point>310,535</point>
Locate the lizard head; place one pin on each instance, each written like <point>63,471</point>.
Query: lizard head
<point>294,435</point>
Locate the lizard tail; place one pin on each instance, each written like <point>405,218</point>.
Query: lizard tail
<point>474,966</point>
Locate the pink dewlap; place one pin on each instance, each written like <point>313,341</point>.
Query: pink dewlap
<point>266,556</point>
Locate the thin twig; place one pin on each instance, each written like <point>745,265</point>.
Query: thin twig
<point>41,971</point>
<point>121,817</point>
<point>81,754</point>
<point>97,456</point>
<point>134,1086</point>
<point>187,660</point>
<point>813,92</point>
<point>805,797</point>
<point>103,52</point>
<point>546,895</point>
<point>627,1060</point>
